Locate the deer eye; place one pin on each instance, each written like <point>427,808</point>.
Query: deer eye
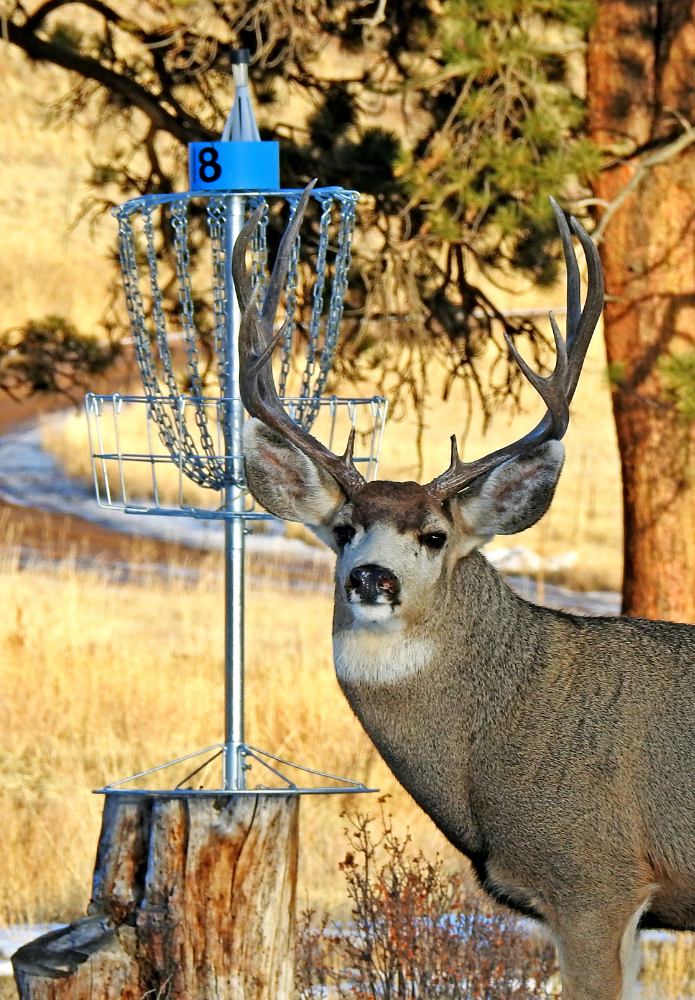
<point>433,539</point>
<point>344,533</point>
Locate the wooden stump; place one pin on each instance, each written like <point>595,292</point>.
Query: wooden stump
<point>192,899</point>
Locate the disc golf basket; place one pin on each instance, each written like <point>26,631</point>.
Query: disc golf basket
<point>194,884</point>
<point>190,417</point>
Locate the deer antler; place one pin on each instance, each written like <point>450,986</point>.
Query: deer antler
<point>257,342</point>
<point>558,388</point>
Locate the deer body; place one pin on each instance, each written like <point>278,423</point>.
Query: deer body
<point>533,754</point>
<point>541,761</point>
<point>556,752</point>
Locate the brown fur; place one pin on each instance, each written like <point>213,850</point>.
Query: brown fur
<point>556,752</point>
<point>407,505</point>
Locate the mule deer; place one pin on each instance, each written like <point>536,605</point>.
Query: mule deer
<point>556,752</point>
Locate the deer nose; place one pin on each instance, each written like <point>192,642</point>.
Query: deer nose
<point>368,583</point>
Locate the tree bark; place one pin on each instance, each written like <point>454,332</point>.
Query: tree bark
<point>192,898</point>
<point>641,62</point>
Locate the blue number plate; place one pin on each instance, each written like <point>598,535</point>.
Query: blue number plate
<point>234,166</point>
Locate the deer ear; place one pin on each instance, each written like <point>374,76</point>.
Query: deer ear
<point>514,495</point>
<point>285,481</point>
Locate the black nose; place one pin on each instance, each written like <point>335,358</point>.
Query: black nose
<point>369,582</point>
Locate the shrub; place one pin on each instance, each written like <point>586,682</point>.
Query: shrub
<point>50,355</point>
<point>416,932</point>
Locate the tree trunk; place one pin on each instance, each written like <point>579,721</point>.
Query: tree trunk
<point>192,899</point>
<point>641,62</point>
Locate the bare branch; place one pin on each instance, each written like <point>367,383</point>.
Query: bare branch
<point>377,18</point>
<point>183,126</point>
<point>34,22</point>
<point>659,156</point>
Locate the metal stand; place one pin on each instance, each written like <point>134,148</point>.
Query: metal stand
<point>198,436</point>
<point>234,528</point>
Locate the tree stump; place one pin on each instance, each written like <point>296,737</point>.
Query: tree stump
<point>193,898</point>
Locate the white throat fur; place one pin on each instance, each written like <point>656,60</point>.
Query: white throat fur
<point>378,655</point>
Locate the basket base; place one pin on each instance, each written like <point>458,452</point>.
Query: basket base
<point>253,755</point>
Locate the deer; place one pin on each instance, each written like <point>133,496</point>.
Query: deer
<point>556,752</point>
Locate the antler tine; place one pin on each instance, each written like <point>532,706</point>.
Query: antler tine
<point>256,343</point>
<point>552,388</point>
<point>574,303</point>
<point>593,307</point>
<point>580,322</point>
<point>282,261</point>
<point>558,388</point>
<point>242,282</point>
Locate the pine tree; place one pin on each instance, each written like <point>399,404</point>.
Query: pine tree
<point>483,125</point>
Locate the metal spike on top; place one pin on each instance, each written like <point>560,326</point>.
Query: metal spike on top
<point>241,124</point>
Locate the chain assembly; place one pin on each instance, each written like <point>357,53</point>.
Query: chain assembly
<point>162,278</point>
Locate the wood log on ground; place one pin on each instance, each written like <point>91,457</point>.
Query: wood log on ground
<point>193,898</point>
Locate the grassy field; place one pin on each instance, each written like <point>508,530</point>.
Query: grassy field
<point>98,681</point>
<point>49,264</point>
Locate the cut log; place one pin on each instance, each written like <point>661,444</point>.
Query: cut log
<point>193,898</point>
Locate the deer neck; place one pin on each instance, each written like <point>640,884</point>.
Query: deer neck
<point>465,636</point>
<point>468,670</point>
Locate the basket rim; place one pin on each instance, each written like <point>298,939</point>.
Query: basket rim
<point>134,205</point>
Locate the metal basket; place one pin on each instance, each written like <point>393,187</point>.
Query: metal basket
<point>194,263</point>
<point>135,472</point>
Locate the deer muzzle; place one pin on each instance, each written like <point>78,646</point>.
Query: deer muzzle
<point>372,584</point>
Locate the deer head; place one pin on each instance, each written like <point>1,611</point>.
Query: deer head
<point>398,542</point>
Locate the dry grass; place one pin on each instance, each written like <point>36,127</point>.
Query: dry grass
<point>98,681</point>
<point>7,989</point>
<point>668,969</point>
<point>49,266</point>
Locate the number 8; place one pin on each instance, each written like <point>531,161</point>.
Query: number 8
<point>210,170</point>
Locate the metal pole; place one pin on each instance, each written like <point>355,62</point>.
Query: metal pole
<point>234,772</point>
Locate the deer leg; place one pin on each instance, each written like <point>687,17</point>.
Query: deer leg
<point>598,954</point>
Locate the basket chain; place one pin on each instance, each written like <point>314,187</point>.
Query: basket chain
<point>208,468</point>
<point>185,444</point>
<point>216,227</point>
<point>337,299</point>
<point>177,442</point>
<point>290,304</point>
<point>259,247</point>
<point>316,311</point>
<point>183,270</point>
<point>141,342</point>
